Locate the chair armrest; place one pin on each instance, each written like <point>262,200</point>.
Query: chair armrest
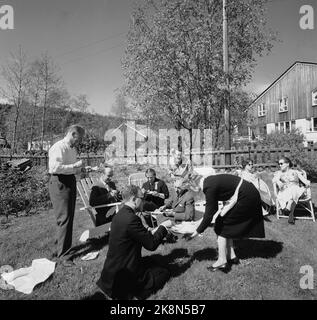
<point>101,206</point>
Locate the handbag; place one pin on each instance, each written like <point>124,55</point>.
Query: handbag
<point>229,204</point>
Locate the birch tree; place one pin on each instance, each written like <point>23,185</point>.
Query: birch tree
<point>173,63</point>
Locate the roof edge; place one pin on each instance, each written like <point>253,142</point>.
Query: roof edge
<point>287,70</point>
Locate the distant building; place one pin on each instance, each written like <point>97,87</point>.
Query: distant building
<point>290,102</point>
<point>47,143</point>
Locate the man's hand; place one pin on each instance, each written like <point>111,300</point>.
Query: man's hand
<point>113,192</point>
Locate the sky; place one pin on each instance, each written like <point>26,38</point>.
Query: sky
<point>87,40</point>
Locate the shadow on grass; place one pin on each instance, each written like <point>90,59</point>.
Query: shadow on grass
<point>177,262</point>
<point>82,249</point>
<point>250,248</point>
<point>205,254</point>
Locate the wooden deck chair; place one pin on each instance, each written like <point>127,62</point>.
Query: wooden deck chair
<point>137,179</point>
<point>304,202</point>
<point>84,188</point>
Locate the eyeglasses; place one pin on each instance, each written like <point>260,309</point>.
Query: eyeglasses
<point>250,164</point>
<point>281,163</point>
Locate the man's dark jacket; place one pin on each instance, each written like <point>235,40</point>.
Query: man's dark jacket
<point>159,186</point>
<point>127,237</point>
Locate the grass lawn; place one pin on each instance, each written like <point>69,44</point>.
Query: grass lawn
<point>269,268</point>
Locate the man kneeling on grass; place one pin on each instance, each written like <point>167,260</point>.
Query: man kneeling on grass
<point>125,273</point>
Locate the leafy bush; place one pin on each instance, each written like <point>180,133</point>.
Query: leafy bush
<point>293,140</point>
<point>23,192</point>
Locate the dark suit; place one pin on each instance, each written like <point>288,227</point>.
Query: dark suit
<point>124,272</point>
<point>100,195</point>
<point>151,202</point>
<point>183,206</point>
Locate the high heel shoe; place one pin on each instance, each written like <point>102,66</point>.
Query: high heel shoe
<point>223,267</point>
<point>234,261</point>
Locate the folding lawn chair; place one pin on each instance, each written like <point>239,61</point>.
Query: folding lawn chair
<point>304,202</point>
<point>84,188</point>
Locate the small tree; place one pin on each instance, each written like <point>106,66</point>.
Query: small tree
<point>16,76</point>
<point>80,103</point>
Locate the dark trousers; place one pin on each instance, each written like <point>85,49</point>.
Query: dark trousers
<point>62,190</point>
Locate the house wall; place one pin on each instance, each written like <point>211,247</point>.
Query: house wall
<point>297,85</point>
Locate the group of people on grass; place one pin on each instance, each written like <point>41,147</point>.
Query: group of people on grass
<point>125,274</point>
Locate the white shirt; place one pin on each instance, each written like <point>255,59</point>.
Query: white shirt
<point>61,158</point>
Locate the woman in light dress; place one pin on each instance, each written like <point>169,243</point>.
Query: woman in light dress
<point>289,190</point>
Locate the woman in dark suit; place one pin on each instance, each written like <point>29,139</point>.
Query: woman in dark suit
<point>244,220</point>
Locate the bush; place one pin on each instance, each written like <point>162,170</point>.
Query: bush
<point>293,140</point>
<point>23,192</point>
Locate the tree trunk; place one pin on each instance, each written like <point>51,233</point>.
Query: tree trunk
<point>15,132</point>
<point>190,144</point>
<point>32,125</point>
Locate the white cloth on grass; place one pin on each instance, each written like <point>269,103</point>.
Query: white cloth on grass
<point>25,279</point>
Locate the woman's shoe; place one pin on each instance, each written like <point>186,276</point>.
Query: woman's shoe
<point>223,267</point>
<point>234,261</point>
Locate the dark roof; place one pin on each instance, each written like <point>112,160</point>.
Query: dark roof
<point>272,84</point>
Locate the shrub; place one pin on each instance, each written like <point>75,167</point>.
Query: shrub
<point>25,192</point>
<point>293,140</point>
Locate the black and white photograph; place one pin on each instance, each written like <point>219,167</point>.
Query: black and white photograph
<point>156,151</point>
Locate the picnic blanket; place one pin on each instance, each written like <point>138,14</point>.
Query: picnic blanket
<point>25,279</point>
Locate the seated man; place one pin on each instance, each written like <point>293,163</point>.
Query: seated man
<point>180,167</point>
<point>104,192</point>
<point>155,191</point>
<point>183,204</point>
<point>125,273</point>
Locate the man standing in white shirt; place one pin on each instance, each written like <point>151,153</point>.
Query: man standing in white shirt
<point>63,166</point>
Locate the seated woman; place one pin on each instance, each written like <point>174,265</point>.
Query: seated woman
<point>289,190</point>
<point>248,174</point>
<point>183,204</point>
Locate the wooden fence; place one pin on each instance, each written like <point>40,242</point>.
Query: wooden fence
<point>266,157</point>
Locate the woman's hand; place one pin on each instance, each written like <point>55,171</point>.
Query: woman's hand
<point>191,236</point>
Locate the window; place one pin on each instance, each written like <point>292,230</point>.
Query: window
<point>314,124</point>
<point>283,104</point>
<point>293,125</point>
<point>276,127</point>
<point>285,126</point>
<point>314,98</point>
<point>261,110</point>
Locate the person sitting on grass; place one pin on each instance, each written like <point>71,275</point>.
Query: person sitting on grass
<point>126,274</point>
<point>155,191</point>
<point>183,204</point>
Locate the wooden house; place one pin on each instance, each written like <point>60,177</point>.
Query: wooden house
<point>289,102</point>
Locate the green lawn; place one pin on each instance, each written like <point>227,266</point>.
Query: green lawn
<point>269,268</point>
